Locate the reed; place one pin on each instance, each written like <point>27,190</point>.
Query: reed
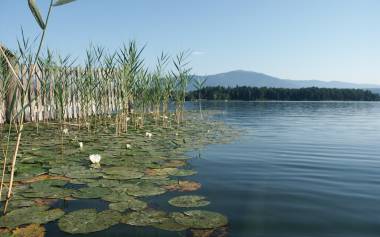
<point>199,84</point>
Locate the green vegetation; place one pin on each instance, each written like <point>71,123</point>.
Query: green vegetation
<point>128,179</point>
<point>264,93</point>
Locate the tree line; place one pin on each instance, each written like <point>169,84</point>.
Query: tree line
<point>283,94</point>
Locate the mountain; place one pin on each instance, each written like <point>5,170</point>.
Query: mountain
<point>254,79</point>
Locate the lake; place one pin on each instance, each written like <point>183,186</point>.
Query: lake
<point>298,169</point>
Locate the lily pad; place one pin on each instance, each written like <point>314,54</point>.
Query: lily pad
<point>141,190</point>
<point>86,221</point>
<point>182,173</point>
<point>117,196</point>
<point>170,225</point>
<point>183,186</point>
<point>65,169</point>
<point>121,173</point>
<point>91,192</point>
<point>24,171</point>
<point>84,174</point>
<point>161,171</point>
<point>132,204</point>
<point>47,192</point>
<point>33,230</point>
<point>30,215</point>
<point>48,183</point>
<point>189,201</point>
<point>104,183</point>
<point>144,218</point>
<point>200,219</point>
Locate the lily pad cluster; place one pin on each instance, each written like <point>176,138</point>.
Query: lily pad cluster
<point>128,179</point>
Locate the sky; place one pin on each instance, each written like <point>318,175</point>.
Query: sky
<point>329,40</point>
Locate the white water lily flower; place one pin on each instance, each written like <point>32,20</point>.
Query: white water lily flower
<point>65,131</point>
<point>176,134</point>
<point>95,158</point>
<point>165,117</point>
<point>139,118</point>
<point>81,145</point>
<point>148,134</point>
<point>129,146</point>
<point>128,118</point>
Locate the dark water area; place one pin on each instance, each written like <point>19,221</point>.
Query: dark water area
<point>298,169</point>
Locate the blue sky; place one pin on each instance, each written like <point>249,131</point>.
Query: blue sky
<point>296,39</point>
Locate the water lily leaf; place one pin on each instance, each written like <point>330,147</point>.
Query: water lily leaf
<point>35,160</point>
<point>132,204</point>
<point>104,183</point>
<point>86,221</point>
<point>117,196</point>
<point>33,230</point>
<point>169,225</point>
<point>48,183</point>
<point>15,204</point>
<point>30,215</point>
<point>121,173</point>
<point>91,192</point>
<point>141,189</point>
<point>200,219</point>
<point>44,202</point>
<point>160,171</point>
<point>144,218</point>
<point>174,164</point>
<point>84,174</point>
<point>189,201</point>
<point>183,186</point>
<point>156,179</point>
<point>26,171</point>
<point>82,181</point>
<point>44,177</point>
<point>65,169</point>
<point>47,192</point>
<point>182,173</point>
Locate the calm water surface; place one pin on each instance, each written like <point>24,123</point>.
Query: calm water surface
<point>299,169</point>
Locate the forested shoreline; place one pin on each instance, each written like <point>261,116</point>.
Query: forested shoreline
<point>246,93</point>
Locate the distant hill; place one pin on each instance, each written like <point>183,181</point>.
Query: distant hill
<point>254,79</point>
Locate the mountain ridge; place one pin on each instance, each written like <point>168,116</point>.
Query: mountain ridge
<point>257,79</point>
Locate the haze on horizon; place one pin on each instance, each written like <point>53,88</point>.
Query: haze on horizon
<point>302,40</point>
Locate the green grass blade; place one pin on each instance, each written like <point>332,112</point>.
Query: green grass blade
<point>62,2</point>
<point>36,13</point>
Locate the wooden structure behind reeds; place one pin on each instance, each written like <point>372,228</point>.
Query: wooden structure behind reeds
<point>44,101</point>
